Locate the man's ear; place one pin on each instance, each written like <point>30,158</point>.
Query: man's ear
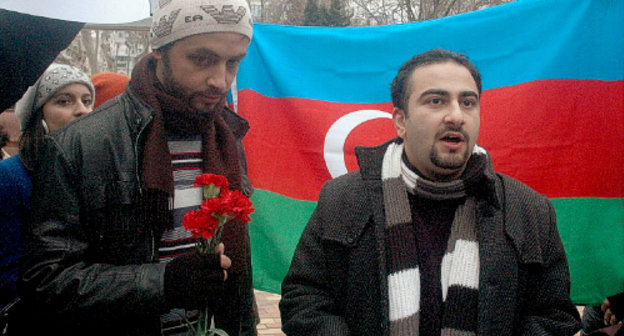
<point>398,117</point>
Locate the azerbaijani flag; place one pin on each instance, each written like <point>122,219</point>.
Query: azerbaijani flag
<point>552,116</point>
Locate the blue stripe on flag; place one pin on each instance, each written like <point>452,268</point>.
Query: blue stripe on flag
<point>522,41</point>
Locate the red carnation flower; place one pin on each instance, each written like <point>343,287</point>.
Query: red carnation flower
<point>241,206</point>
<point>208,179</point>
<point>200,223</point>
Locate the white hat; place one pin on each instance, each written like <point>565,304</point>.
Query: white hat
<point>177,19</point>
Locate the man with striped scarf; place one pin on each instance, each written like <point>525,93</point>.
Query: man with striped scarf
<point>426,239</point>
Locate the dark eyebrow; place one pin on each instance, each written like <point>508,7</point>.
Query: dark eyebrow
<point>470,94</point>
<point>62,94</point>
<point>210,52</point>
<point>240,57</point>
<point>444,93</point>
<point>204,52</point>
<point>438,92</point>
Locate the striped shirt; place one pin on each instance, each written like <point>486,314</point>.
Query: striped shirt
<point>186,160</point>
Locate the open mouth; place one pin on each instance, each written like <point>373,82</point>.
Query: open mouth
<point>453,138</point>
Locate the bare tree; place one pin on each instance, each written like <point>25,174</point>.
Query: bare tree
<point>91,51</point>
<point>368,13</point>
<point>377,12</point>
<point>138,44</point>
<point>75,54</point>
<point>103,50</point>
<point>283,11</point>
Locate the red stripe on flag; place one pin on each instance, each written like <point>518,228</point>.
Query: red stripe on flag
<point>565,138</point>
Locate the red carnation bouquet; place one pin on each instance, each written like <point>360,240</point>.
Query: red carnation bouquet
<point>219,206</point>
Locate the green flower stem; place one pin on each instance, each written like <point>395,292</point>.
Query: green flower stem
<point>208,246</point>
<point>216,237</point>
<point>211,191</point>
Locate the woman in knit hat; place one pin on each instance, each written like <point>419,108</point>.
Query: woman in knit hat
<point>59,96</point>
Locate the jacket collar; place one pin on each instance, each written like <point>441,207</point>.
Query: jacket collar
<point>370,159</point>
<point>139,114</point>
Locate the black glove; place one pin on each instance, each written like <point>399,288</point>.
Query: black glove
<point>194,281</point>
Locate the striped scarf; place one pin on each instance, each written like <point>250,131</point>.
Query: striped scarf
<point>460,264</point>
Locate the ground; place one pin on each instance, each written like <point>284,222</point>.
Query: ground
<point>270,322</point>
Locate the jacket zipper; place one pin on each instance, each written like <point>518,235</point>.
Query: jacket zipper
<point>136,154</point>
<point>138,177</point>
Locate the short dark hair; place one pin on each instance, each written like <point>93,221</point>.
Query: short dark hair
<point>398,88</point>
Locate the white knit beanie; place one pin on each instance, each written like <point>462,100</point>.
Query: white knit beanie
<point>56,77</point>
<point>177,19</point>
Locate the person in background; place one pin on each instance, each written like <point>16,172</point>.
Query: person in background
<point>62,94</point>
<point>593,319</point>
<point>10,127</point>
<point>4,140</point>
<point>426,238</point>
<point>613,308</point>
<point>108,85</point>
<point>106,251</point>
<point>606,318</point>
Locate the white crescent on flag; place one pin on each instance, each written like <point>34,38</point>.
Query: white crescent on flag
<point>333,148</point>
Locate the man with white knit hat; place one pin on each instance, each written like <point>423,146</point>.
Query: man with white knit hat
<point>106,252</point>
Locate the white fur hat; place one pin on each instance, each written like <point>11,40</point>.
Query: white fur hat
<point>177,19</point>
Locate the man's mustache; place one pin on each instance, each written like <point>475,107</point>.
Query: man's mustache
<point>454,129</point>
<point>212,91</point>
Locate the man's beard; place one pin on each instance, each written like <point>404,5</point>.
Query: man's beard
<point>454,161</point>
<point>173,88</point>
<point>451,163</point>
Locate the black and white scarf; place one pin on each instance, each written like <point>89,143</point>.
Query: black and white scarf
<point>460,264</point>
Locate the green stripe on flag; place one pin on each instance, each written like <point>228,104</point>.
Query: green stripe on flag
<point>275,229</point>
<point>592,230</point>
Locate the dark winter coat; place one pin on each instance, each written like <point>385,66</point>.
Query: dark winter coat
<point>89,267</point>
<point>337,285</point>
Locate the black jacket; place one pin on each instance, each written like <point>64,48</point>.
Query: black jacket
<point>337,283</point>
<point>88,269</point>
